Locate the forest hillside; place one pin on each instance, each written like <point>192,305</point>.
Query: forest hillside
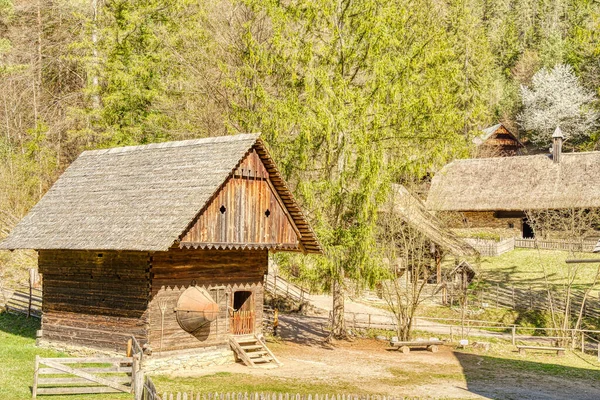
<point>349,95</point>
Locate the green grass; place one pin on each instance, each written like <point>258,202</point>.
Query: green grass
<point>17,357</point>
<point>244,383</point>
<point>525,268</point>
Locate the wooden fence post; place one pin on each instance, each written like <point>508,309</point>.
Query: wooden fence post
<point>514,334</point>
<point>582,342</point>
<point>137,377</point>
<point>31,282</point>
<point>497,294</point>
<point>37,371</point>
<point>513,298</point>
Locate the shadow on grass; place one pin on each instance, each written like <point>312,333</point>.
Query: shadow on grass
<point>506,378</point>
<point>19,325</point>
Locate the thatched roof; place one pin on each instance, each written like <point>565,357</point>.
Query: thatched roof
<point>517,183</point>
<point>464,266</point>
<point>490,131</point>
<point>141,197</point>
<point>413,212</point>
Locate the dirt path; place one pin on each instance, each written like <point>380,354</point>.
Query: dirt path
<point>368,366</point>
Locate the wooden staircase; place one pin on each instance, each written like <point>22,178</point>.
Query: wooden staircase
<point>253,351</point>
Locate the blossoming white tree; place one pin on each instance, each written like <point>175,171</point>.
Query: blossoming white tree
<point>555,97</point>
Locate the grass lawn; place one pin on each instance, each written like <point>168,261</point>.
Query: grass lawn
<point>524,268</point>
<point>17,357</point>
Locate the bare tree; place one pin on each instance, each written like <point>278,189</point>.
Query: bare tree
<point>410,258</point>
<point>573,225</point>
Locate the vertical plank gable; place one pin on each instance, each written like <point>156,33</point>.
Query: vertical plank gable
<point>245,212</point>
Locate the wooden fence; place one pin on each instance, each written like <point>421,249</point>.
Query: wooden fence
<point>26,299</point>
<point>153,395</point>
<point>556,244</point>
<point>491,248</point>
<point>279,286</point>
<point>54,376</point>
<point>536,299</point>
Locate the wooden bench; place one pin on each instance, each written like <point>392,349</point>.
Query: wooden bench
<point>404,347</point>
<point>559,350</point>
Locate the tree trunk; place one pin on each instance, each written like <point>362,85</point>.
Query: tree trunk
<point>338,323</point>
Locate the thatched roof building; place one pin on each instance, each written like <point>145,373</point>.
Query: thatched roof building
<point>143,197</point>
<point>517,183</point>
<point>412,211</point>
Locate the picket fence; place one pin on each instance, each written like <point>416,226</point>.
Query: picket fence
<point>586,245</point>
<point>264,396</point>
<point>491,248</point>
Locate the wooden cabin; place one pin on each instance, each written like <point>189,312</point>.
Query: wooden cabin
<point>493,194</point>
<point>497,141</point>
<point>166,242</point>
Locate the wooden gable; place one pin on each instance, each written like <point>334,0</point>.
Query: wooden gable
<point>246,212</point>
<point>502,143</point>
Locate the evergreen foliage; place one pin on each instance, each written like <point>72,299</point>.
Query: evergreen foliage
<point>350,95</point>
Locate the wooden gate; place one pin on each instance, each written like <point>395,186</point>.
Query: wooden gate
<point>84,375</point>
<point>242,322</point>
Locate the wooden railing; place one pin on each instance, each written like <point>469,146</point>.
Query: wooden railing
<point>556,244</point>
<point>242,322</point>
<point>279,286</point>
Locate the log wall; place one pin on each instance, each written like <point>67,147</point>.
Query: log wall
<point>220,272</point>
<point>94,299</point>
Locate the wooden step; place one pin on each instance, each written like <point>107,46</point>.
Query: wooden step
<point>251,350</point>
<point>257,354</point>
<point>252,347</point>
<point>245,339</point>
<point>263,360</point>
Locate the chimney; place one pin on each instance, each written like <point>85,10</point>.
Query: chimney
<point>557,142</point>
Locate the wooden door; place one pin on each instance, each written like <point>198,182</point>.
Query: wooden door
<point>243,313</point>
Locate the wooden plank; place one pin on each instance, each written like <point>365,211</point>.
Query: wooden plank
<point>75,381</point>
<point>106,382</point>
<point>35,377</point>
<point>91,360</point>
<point>78,390</point>
<point>92,370</point>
